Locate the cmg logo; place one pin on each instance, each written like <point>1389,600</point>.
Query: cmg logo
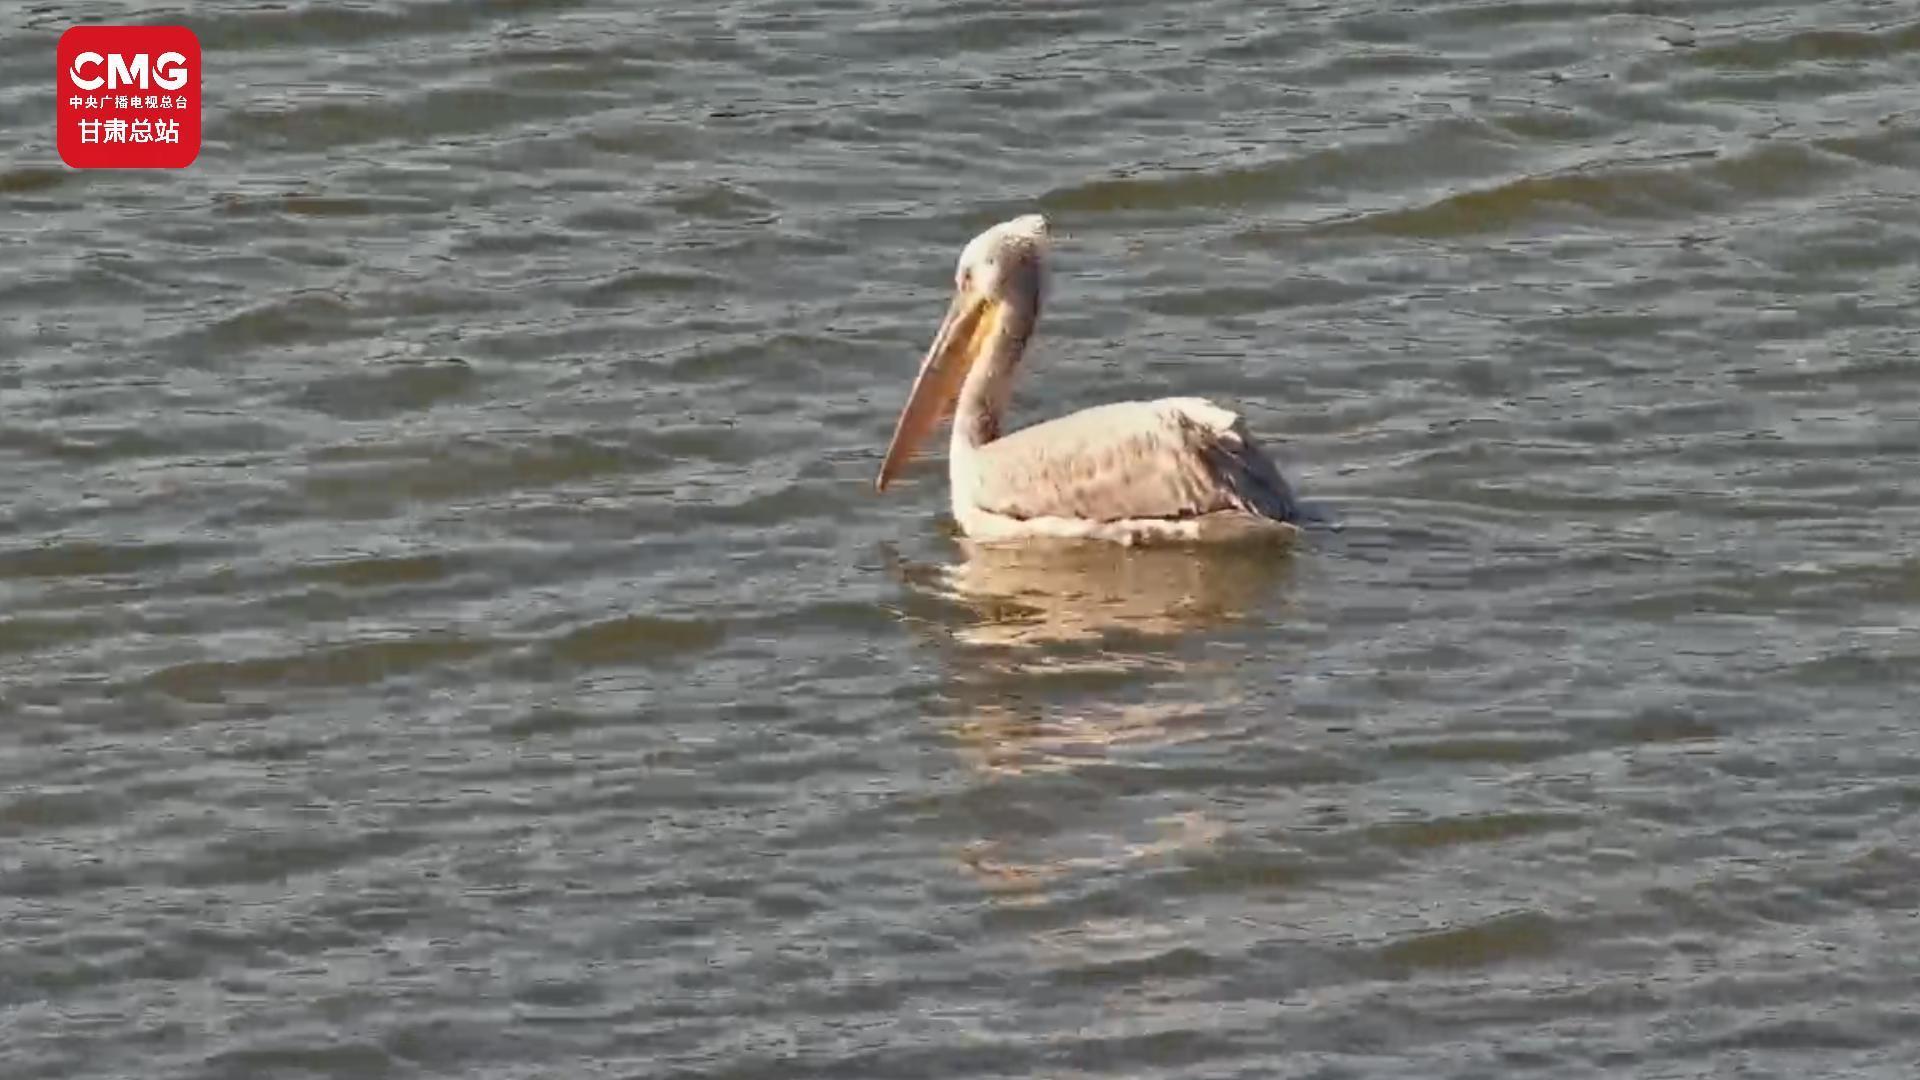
<point>127,97</point>
<point>169,71</point>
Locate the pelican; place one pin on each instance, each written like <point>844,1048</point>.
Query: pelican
<point>1134,472</point>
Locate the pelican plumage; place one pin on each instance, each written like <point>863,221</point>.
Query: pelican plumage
<point>1169,470</point>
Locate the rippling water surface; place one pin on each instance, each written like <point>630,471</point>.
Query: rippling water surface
<point>447,629</point>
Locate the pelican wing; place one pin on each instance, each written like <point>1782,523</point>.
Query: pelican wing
<point>1168,459</point>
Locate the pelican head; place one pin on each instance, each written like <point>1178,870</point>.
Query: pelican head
<point>997,291</point>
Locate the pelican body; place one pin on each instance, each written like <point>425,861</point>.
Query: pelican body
<point>1170,470</point>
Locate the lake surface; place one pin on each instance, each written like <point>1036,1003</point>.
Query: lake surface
<point>447,627</point>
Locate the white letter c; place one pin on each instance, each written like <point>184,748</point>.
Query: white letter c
<point>93,58</point>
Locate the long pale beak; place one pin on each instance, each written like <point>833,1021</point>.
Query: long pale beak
<point>938,385</point>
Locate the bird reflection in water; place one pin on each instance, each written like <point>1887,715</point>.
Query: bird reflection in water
<point>1063,657</point>
<point>1030,596</point>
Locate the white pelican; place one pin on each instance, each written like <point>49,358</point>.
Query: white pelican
<point>1171,470</point>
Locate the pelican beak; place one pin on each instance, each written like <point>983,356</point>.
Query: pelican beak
<point>937,387</point>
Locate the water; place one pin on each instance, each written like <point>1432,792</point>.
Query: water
<point>447,629</point>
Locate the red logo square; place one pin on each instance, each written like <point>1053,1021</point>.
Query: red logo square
<point>127,97</point>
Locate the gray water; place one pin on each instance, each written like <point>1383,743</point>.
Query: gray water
<point>447,627</point>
